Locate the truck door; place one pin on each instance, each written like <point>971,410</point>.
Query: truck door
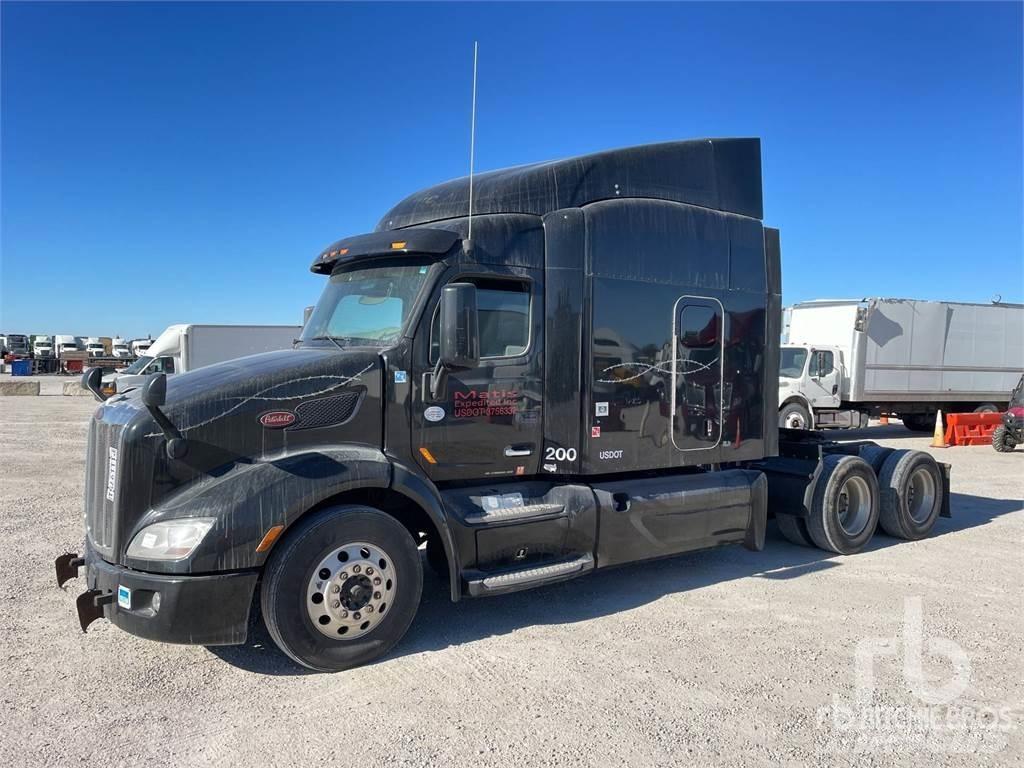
<point>697,385</point>
<point>823,379</point>
<point>488,422</point>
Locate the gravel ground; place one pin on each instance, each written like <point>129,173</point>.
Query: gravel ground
<point>724,657</point>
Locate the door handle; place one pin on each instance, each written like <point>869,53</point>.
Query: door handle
<point>511,451</point>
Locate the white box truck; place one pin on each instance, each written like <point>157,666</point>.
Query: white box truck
<point>848,360</point>
<point>185,347</point>
<point>63,343</point>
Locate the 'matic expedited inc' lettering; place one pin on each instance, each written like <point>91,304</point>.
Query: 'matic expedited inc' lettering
<point>476,403</point>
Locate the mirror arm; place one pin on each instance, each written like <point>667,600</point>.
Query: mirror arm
<point>438,381</point>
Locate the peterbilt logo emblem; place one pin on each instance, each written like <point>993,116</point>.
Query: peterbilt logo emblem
<point>277,419</point>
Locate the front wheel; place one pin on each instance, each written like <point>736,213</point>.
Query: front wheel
<point>795,416</point>
<point>343,588</point>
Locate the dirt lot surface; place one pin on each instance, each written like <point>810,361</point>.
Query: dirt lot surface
<point>724,657</point>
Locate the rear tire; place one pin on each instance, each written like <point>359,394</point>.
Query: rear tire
<point>1002,440</point>
<point>292,594</point>
<point>911,490</point>
<point>844,509</point>
<point>987,408</point>
<point>919,422</point>
<point>795,416</point>
<point>875,455</point>
<point>794,529</point>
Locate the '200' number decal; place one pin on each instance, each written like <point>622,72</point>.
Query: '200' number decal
<point>559,454</point>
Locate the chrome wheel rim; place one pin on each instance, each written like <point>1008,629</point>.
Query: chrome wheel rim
<point>854,505</point>
<point>920,495</point>
<point>351,590</point>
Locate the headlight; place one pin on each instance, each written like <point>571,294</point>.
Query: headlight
<point>170,540</point>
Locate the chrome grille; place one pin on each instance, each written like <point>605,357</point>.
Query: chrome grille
<point>101,485</point>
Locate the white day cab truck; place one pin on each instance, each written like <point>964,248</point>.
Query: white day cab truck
<point>94,346</point>
<point>119,348</point>
<point>64,343</point>
<point>186,347</point>
<point>847,361</point>
<point>42,346</point>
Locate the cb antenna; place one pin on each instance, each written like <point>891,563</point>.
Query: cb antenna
<point>468,244</point>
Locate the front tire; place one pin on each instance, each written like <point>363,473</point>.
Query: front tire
<point>795,416</point>
<point>844,508</point>
<point>1002,440</point>
<point>342,589</point>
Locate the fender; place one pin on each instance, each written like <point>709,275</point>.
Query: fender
<point>420,490</point>
<point>250,498</point>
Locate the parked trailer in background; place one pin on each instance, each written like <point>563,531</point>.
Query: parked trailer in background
<point>850,360</point>
<point>590,380</point>
<point>184,348</point>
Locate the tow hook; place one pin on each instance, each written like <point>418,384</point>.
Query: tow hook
<point>90,606</point>
<point>67,567</point>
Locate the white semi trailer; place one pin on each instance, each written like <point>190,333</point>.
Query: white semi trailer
<point>848,360</point>
<point>184,348</point>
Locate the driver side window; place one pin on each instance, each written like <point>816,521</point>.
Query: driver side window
<point>827,367</point>
<point>503,317</point>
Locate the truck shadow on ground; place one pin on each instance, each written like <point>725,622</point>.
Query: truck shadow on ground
<point>441,623</point>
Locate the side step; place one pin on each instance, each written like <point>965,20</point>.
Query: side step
<point>510,581</point>
<point>485,516</point>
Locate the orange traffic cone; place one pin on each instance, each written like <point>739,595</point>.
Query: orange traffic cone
<point>938,437</point>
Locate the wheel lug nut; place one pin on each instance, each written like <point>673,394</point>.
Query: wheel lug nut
<point>343,575</point>
<point>369,609</point>
<point>369,571</point>
<point>376,595</point>
<point>376,581</point>
<point>336,604</point>
<point>344,614</point>
<point>335,588</point>
<point>356,616</point>
<point>356,569</point>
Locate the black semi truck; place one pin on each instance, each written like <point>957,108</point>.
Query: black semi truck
<point>581,374</point>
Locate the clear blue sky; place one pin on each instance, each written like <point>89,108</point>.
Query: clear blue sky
<point>185,162</point>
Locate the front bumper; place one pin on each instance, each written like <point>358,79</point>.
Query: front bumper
<point>197,610</point>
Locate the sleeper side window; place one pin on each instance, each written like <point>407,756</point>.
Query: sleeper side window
<point>503,318</point>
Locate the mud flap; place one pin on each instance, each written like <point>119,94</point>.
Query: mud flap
<point>754,538</point>
<point>90,606</point>
<point>67,566</point>
<point>944,469</point>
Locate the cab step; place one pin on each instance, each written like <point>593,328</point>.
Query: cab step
<point>510,581</point>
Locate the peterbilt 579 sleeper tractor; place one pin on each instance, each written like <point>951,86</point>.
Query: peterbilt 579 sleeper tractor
<point>582,375</point>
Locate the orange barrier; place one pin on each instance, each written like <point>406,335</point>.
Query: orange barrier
<point>971,428</point>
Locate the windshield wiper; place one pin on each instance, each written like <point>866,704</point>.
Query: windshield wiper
<point>331,339</point>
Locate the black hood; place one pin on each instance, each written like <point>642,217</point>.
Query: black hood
<point>253,409</point>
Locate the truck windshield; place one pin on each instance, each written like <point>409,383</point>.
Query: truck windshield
<point>367,307</point>
<point>791,362</point>
<point>138,365</point>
